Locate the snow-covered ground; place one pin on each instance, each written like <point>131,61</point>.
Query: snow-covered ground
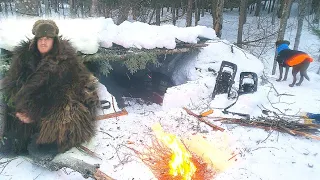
<point>262,155</point>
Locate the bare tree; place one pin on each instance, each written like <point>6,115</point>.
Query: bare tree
<point>189,14</point>
<point>302,14</point>
<point>241,22</point>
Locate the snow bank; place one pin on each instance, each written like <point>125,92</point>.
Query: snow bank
<point>88,34</point>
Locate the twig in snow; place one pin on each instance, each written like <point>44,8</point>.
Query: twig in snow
<point>6,164</point>
<point>263,147</point>
<point>267,136</point>
<point>123,161</point>
<point>106,133</point>
<point>37,176</point>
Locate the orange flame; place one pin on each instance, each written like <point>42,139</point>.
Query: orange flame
<point>195,158</point>
<point>216,153</point>
<point>180,163</point>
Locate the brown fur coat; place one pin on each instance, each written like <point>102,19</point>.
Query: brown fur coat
<point>57,92</point>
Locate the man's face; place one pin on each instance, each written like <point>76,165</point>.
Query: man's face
<point>45,44</point>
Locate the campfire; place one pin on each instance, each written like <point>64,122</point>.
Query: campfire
<point>169,157</point>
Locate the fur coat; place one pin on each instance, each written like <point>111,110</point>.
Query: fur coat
<point>56,92</point>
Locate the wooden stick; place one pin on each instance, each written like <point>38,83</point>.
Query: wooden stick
<point>215,127</point>
<point>123,112</point>
<point>288,130</point>
<point>199,117</point>
<point>99,175</point>
<point>88,151</point>
<point>306,135</point>
<point>191,113</point>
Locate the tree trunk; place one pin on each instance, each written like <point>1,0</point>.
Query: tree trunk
<point>72,8</point>
<point>203,4</point>
<point>281,8</point>
<point>269,6</point>
<point>284,19</point>
<point>62,7</point>
<point>123,12</point>
<point>274,13</point>
<point>258,8</point>
<point>6,8</point>
<point>93,9</point>
<point>302,14</point>
<point>273,5</point>
<point>173,11</point>
<point>282,27</point>
<point>152,14</point>
<point>196,12</point>
<point>158,11</point>
<point>189,14</point>
<point>177,13</point>
<point>213,10</point>
<point>317,13</point>
<point>55,5</point>
<point>161,11</point>
<point>46,8</point>
<point>245,12</point>
<point>183,7</point>
<point>219,18</point>
<point>241,22</point>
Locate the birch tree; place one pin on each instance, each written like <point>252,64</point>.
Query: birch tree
<point>282,27</point>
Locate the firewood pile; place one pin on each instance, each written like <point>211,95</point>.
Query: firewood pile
<point>290,124</point>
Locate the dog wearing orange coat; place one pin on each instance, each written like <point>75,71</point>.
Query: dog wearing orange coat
<point>298,60</point>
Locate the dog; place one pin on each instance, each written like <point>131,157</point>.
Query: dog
<point>298,60</point>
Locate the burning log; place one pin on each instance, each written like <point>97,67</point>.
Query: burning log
<point>200,118</point>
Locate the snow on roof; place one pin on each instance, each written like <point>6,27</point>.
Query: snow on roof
<point>87,35</point>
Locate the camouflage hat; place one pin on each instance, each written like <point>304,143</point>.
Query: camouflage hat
<point>45,28</point>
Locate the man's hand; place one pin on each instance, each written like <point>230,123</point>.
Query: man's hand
<point>23,117</point>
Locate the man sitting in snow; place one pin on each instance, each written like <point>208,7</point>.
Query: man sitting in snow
<point>49,92</point>
<point>298,60</point>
